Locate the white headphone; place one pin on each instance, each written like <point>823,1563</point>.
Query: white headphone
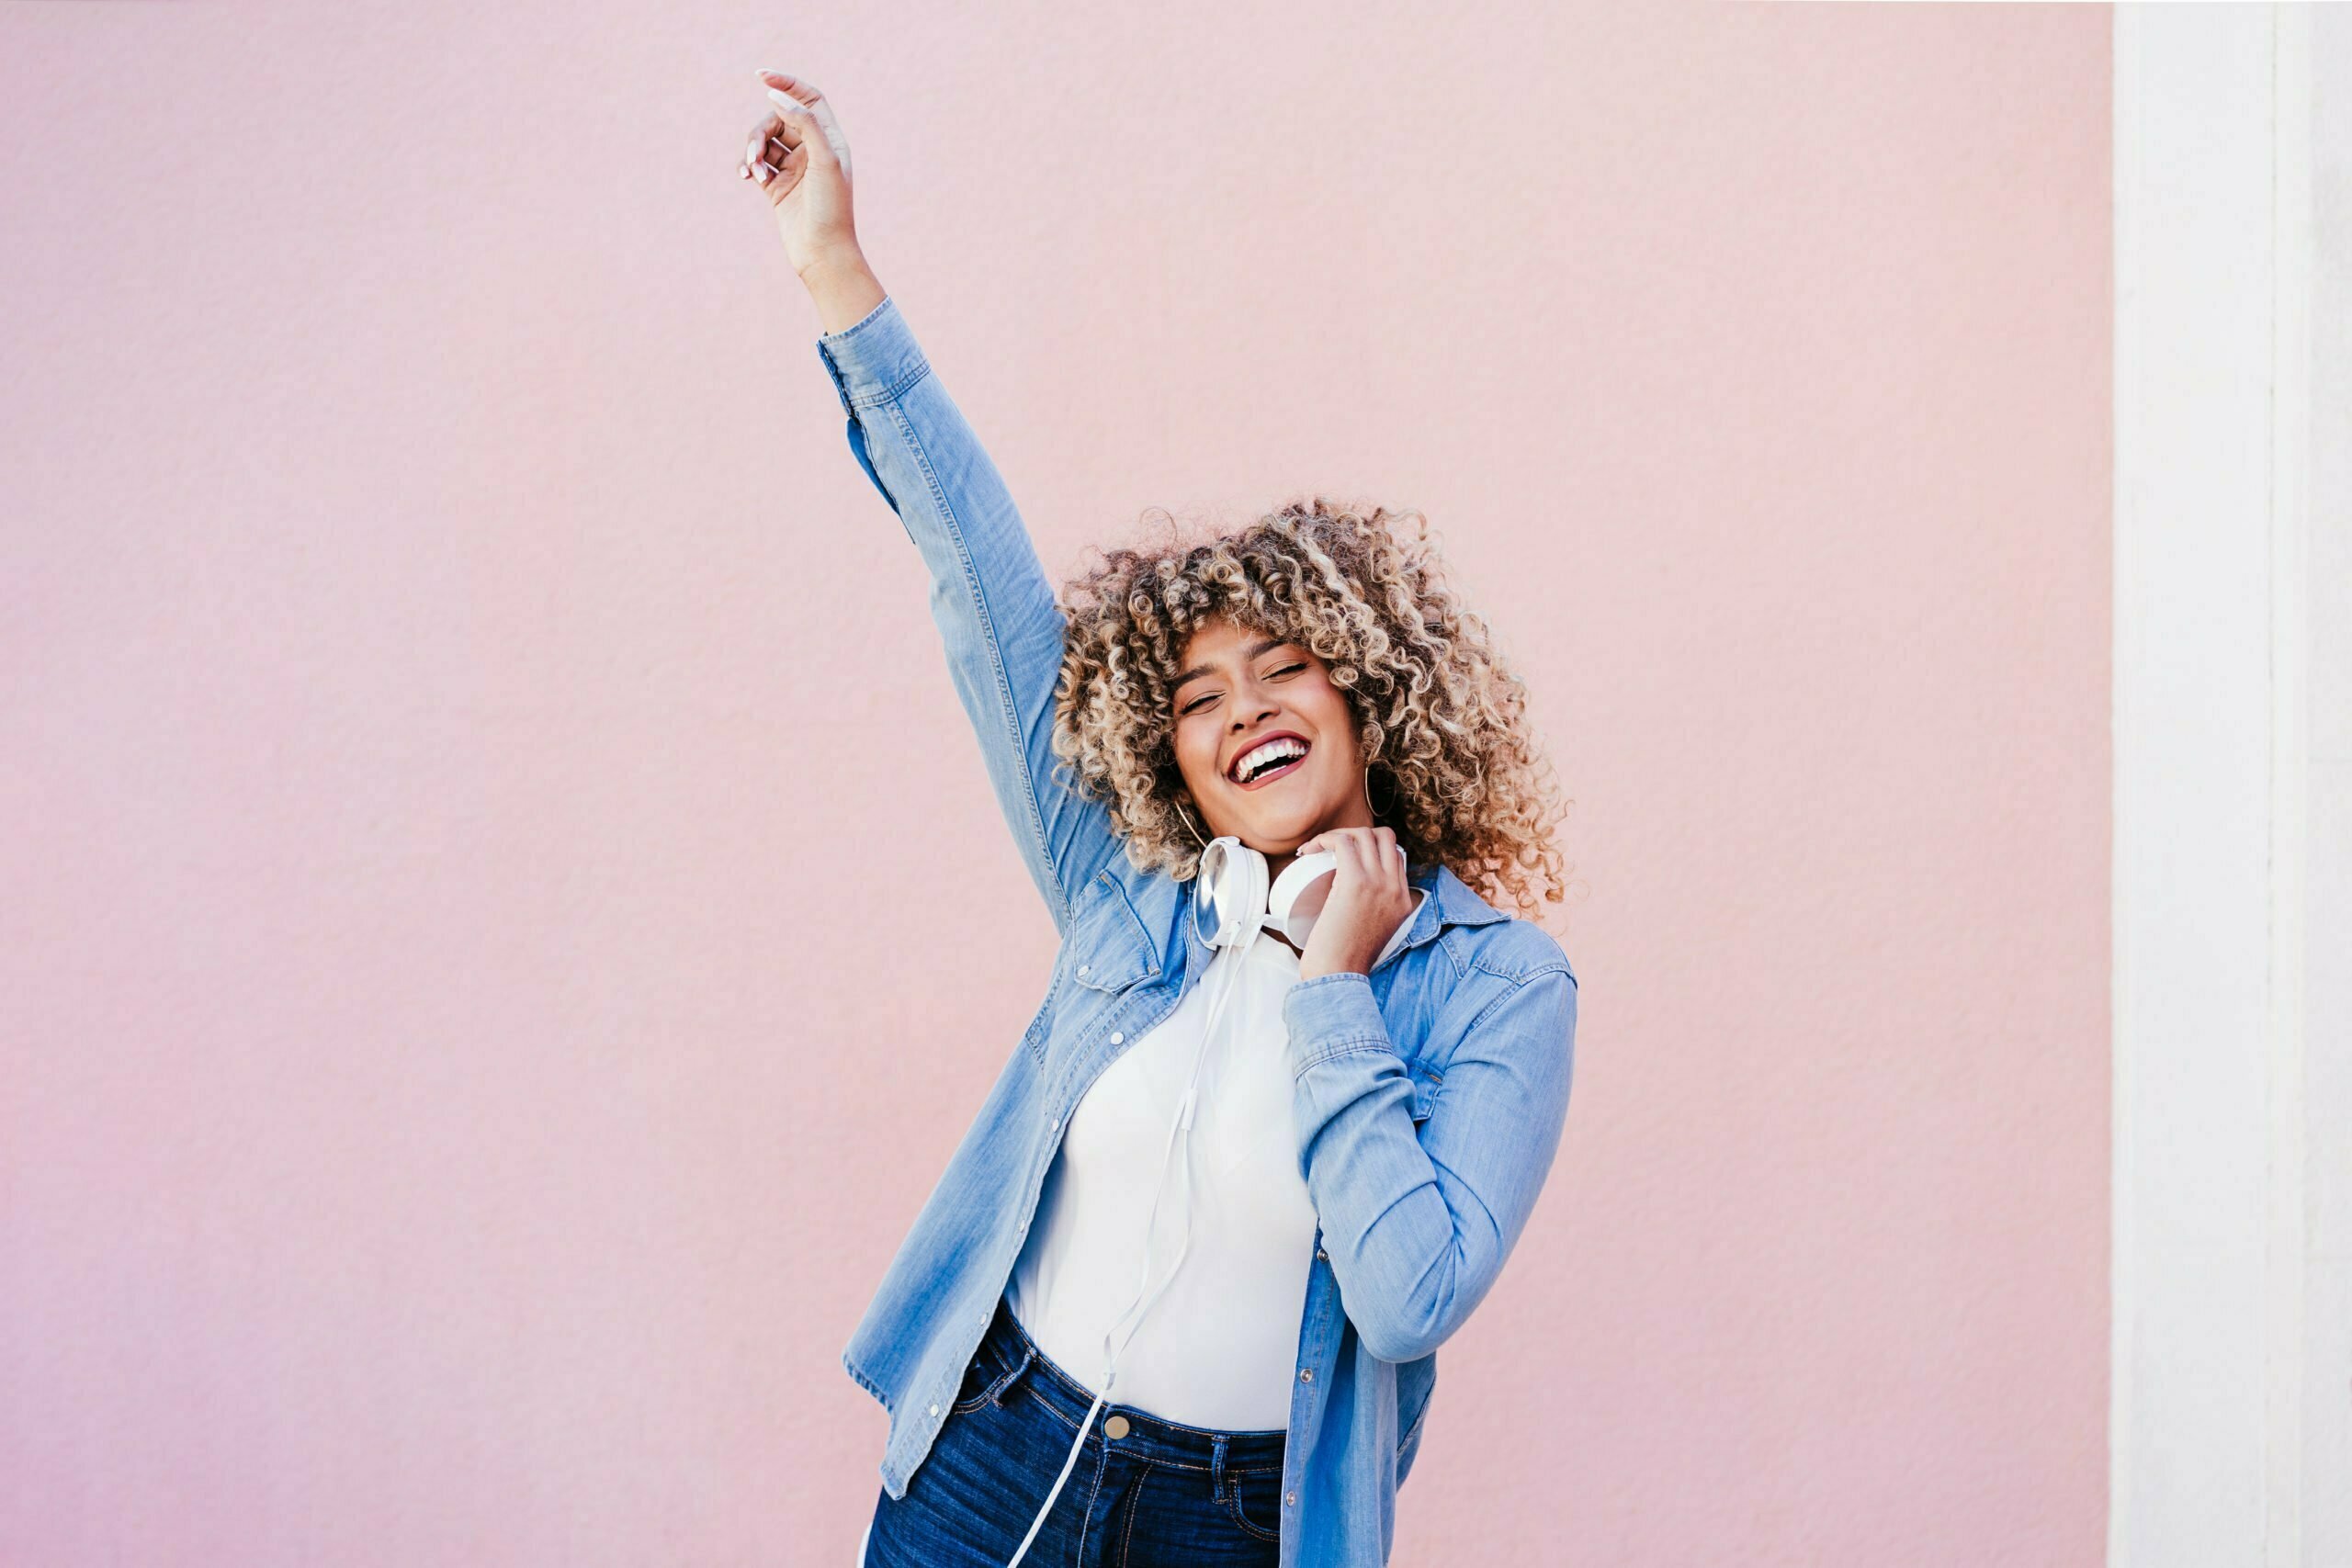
<point>1231,884</point>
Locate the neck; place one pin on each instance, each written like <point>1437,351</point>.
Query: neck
<point>1357,813</point>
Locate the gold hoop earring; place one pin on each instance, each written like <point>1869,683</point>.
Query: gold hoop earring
<point>1188,823</point>
<point>1376,812</point>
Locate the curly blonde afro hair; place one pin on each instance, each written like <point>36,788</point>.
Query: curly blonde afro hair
<point>1452,767</point>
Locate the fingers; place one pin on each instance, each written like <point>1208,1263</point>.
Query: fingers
<point>792,118</point>
<point>1332,837</point>
<point>798,103</point>
<point>769,149</point>
<point>789,93</point>
<point>778,135</point>
<point>766,148</point>
<point>1369,854</point>
<point>1355,868</point>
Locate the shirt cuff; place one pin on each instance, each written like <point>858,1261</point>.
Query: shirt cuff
<point>874,358</point>
<point>1331,1016</point>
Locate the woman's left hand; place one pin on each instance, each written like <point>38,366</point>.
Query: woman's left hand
<point>1370,898</point>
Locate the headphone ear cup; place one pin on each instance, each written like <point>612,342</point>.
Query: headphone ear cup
<point>1244,900</point>
<point>1299,893</point>
<point>1233,885</point>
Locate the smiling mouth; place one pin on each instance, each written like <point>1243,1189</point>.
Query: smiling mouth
<point>1268,775</point>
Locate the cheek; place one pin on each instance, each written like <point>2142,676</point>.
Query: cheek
<point>1328,707</point>
<point>1196,756</point>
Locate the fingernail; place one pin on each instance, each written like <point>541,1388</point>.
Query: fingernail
<point>783,100</point>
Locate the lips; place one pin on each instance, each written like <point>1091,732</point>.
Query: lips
<point>1290,766</point>
<point>1269,777</point>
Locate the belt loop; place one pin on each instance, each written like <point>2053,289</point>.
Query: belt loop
<point>1005,1384</point>
<point>1217,1468</point>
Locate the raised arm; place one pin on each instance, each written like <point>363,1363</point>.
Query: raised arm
<point>989,597</point>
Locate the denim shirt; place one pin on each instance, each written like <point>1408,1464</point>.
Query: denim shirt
<point>1428,1095</point>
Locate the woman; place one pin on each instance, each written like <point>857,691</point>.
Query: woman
<point>1202,1328</point>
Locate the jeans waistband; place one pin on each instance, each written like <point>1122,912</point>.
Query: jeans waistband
<point>1010,1356</point>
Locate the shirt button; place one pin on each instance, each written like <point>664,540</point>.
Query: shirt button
<point>1305,1374</point>
<point>1117,1037</point>
<point>1290,1499</point>
<point>1320,1253</point>
<point>934,1410</point>
<point>1081,969</point>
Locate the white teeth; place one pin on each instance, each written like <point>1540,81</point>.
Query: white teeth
<point>1273,753</point>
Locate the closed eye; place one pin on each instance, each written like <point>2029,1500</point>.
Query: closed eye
<point>1198,704</point>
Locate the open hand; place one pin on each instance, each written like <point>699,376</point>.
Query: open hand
<point>798,156</point>
<point>1370,898</point>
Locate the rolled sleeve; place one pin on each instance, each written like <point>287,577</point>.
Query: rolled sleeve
<point>874,359</point>
<point>1419,1217</point>
<point>1331,1015</point>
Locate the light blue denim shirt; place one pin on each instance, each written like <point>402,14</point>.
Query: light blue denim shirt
<point>1430,1095</point>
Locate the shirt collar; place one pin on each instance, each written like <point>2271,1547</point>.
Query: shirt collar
<point>1450,902</point>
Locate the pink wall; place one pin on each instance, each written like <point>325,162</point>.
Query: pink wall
<point>470,732</point>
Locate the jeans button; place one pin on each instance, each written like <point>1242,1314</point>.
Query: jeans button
<point>1116,1427</point>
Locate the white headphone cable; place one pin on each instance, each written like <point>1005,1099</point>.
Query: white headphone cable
<point>1178,1136</point>
<point>1237,930</point>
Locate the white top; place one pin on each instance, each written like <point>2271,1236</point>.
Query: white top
<point>1216,1348</point>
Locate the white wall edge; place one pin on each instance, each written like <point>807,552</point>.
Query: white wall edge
<point>2212,180</point>
<point>2286,1368</point>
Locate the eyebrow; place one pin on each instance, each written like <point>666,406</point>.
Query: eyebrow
<point>1197,670</point>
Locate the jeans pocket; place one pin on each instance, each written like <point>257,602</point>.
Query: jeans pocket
<point>1254,1498</point>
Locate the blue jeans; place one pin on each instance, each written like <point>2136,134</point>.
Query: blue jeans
<point>1161,1495</point>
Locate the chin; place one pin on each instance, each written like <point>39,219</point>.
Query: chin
<point>1273,829</point>
<point>1272,840</point>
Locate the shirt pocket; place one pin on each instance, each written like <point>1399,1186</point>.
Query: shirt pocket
<point>1109,948</point>
<point>1106,956</point>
